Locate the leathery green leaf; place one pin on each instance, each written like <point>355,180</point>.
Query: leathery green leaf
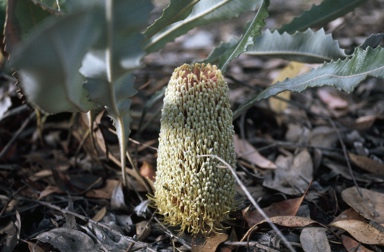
<point>342,74</point>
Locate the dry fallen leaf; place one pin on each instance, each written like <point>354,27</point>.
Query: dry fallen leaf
<point>291,221</point>
<point>100,214</point>
<point>332,99</point>
<point>343,171</point>
<point>9,235</point>
<point>117,198</point>
<point>208,244</point>
<point>323,136</point>
<point>283,208</point>
<point>314,239</point>
<point>349,214</point>
<point>68,240</point>
<point>147,170</point>
<point>246,151</point>
<point>367,164</point>
<point>292,176</point>
<point>50,190</point>
<point>105,192</point>
<point>291,70</point>
<point>352,245</point>
<point>365,122</point>
<point>361,231</point>
<point>374,200</point>
<point>143,229</point>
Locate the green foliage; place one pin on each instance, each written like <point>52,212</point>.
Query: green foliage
<point>308,46</point>
<point>342,74</point>
<point>175,11</point>
<point>204,12</point>
<point>82,57</point>
<point>321,14</point>
<point>252,31</point>
<point>49,63</point>
<point>22,17</point>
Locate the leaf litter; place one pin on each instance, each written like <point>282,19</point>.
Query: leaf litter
<point>60,190</point>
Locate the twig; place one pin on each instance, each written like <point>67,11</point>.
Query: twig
<point>171,235</point>
<point>86,219</point>
<point>249,196</point>
<point>371,211</point>
<point>17,133</point>
<point>250,244</point>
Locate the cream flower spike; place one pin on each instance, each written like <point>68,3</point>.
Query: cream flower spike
<point>193,191</point>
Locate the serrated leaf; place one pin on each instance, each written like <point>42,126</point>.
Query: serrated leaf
<point>321,14</point>
<point>215,54</point>
<point>204,12</point>
<point>372,41</point>
<point>252,31</point>
<point>307,47</point>
<point>342,74</point>
<point>22,17</point>
<point>48,62</point>
<point>108,65</point>
<point>175,11</point>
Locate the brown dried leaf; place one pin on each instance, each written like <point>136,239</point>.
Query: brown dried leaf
<point>35,247</point>
<point>343,171</point>
<point>105,192</point>
<point>291,221</point>
<point>117,198</point>
<point>365,122</point>
<point>291,70</point>
<point>47,172</point>
<point>323,136</point>
<point>100,214</point>
<point>147,170</point>
<point>209,244</point>
<point>349,214</point>
<point>367,164</point>
<point>374,200</point>
<point>332,99</point>
<point>50,190</point>
<point>143,229</point>
<point>68,240</point>
<point>283,208</point>
<point>314,239</point>
<point>361,231</point>
<point>246,151</point>
<point>352,245</point>
<point>292,176</point>
<point>9,235</point>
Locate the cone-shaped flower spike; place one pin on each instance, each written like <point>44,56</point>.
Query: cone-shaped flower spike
<point>192,191</point>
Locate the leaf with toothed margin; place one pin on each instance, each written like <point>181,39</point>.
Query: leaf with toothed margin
<point>253,29</point>
<point>175,11</point>
<point>204,12</point>
<point>372,41</point>
<point>342,74</point>
<point>308,47</point>
<point>321,14</point>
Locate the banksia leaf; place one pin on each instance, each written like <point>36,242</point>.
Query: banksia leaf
<point>193,191</point>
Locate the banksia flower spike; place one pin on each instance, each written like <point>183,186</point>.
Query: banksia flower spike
<point>193,191</point>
